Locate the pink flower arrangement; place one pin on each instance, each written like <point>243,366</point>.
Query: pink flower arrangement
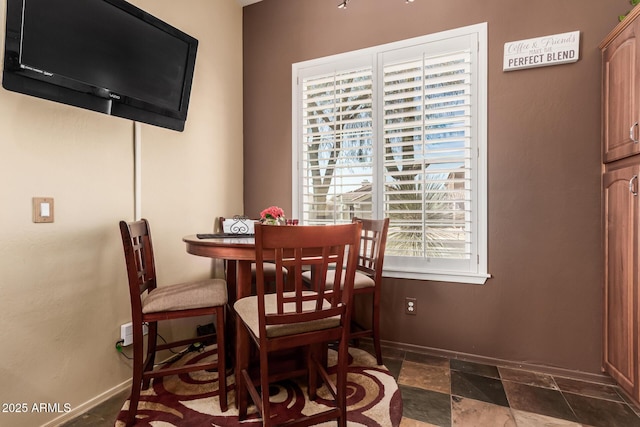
<point>272,212</point>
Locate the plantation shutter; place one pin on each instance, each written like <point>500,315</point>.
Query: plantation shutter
<point>337,157</point>
<point>428,154</point>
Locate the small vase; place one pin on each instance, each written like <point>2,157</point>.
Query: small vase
<point>275,221</point>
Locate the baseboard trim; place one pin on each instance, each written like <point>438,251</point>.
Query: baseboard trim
<point>89,404</point>
<point>545,369</point>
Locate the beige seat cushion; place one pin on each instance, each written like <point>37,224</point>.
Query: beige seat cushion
<point>184,296</point>
<point>269,269</point>
<point>247,309</point>
<point>360,281</point>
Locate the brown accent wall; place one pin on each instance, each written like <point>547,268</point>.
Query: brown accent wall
<point>543,304</point>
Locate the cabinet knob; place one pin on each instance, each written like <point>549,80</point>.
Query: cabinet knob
<point>632,187</point>
<point>632,133</point>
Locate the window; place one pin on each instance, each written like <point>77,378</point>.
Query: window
<point>399,131</point>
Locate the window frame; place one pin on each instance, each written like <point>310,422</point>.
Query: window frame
<point>477,272</point>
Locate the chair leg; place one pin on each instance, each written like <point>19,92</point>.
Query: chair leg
<point>341,381</point>
<point>134,399</point>
<point>354,325</point>
<point>312,375</point>
<point>375,325</point>
<point>264,388</point>
<point>222,373</point>
<point>242,364</point>
<point>152,340</point>
<point>136,381</point>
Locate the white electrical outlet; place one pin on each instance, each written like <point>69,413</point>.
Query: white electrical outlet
<point>126,333</point>
<point>410,305</point>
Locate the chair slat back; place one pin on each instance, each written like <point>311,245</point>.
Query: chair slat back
<point>298,249</point>
<point>138,252</point>
<point>373,241</point>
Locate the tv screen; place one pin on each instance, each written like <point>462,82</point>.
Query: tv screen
<point>104,55</point>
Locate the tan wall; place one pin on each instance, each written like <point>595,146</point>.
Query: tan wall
<point>543,304</point>
<point>63,285</point>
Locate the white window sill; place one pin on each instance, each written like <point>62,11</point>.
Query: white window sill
<point>455,277</point>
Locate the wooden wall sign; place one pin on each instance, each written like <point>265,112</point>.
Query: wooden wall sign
<point>542,51</point>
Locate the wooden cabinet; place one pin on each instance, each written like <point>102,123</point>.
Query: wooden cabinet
<point>620,201</point>
<point>621,91</point>
<point>621,275</point>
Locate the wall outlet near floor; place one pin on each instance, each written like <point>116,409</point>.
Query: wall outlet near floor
<point>410,305</point>
<point>126,333</point>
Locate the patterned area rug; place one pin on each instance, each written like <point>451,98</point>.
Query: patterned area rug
<point>192,399</point>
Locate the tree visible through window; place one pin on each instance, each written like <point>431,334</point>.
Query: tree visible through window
<point>399,131</point>
<point>337,136</point>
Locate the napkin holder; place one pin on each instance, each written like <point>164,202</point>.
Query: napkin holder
<point>238,225</point>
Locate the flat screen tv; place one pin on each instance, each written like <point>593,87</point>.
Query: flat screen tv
<point>103,55</point>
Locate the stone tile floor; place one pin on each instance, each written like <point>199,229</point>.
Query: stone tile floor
<point>438,391</point>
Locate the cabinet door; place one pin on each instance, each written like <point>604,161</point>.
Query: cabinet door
<point>620,96</point>
<point>621,276</point>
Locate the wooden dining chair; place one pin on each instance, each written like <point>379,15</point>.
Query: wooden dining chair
<point>298,319</point>
<point>269,271</point>
<point>368,278</point>
<point>151,303</point>
<point>368,281</point>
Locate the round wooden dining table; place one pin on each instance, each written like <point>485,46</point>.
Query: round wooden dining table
<point>239,253</point>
